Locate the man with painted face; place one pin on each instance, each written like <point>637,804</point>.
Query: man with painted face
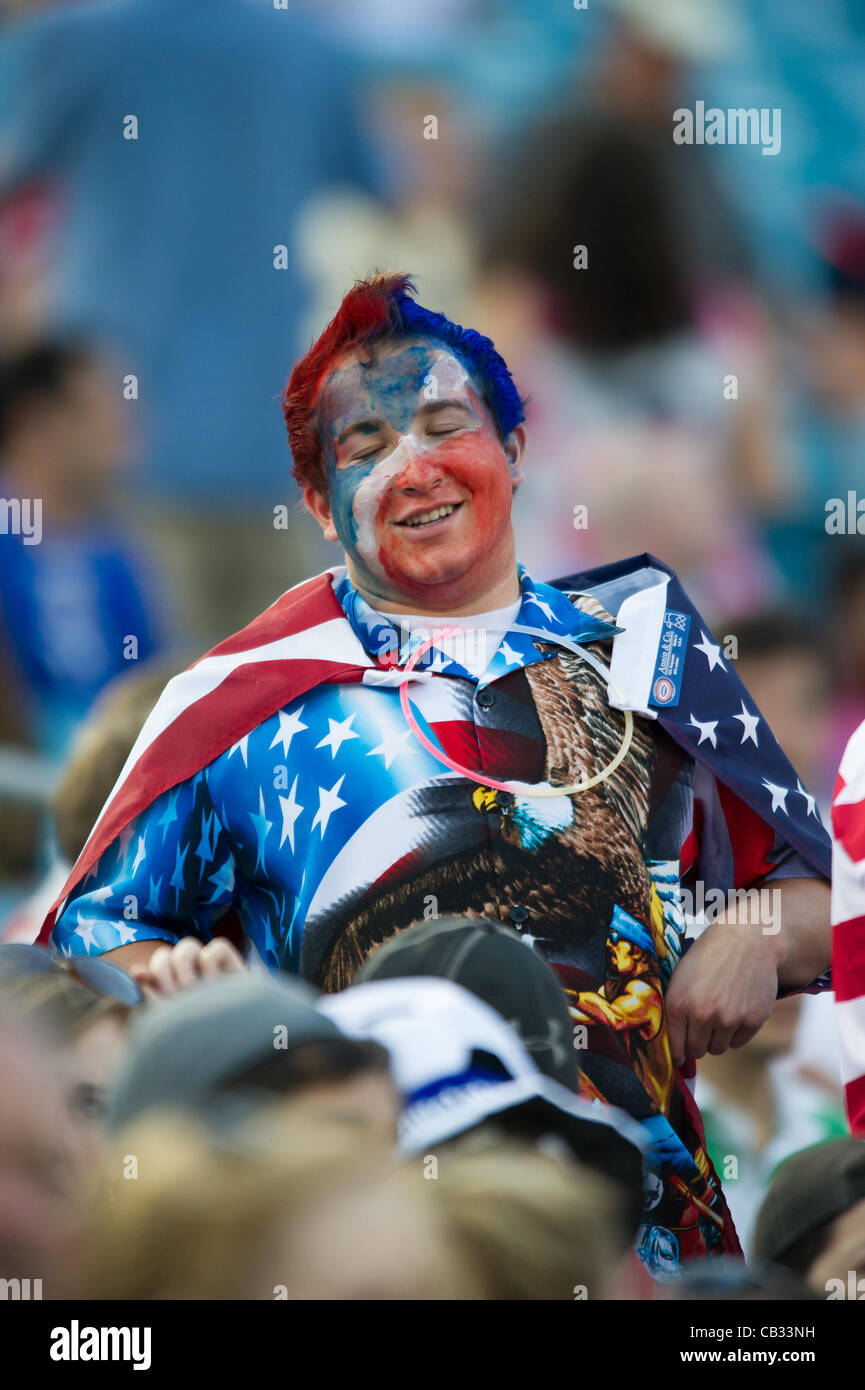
<point>426,729</point>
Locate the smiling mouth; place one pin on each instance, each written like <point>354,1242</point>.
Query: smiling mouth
<point>420,520</point>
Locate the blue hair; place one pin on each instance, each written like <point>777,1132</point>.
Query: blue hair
<point>475,351</point>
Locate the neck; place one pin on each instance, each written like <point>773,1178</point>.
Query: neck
<point>443,601</point>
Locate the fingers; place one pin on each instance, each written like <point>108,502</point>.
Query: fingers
<point>174,968</point>
<point>221,957</point>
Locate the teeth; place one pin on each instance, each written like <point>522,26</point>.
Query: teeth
<point>424,518</point>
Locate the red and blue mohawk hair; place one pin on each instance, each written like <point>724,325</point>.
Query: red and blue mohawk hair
<point>378,308</point>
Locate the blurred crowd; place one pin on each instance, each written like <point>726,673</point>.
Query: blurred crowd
<point>186,192</point>
<point>395,1141</point>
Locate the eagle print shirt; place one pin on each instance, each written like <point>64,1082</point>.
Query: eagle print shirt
<point>330,826</point>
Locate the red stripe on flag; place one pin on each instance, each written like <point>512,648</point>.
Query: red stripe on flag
<point>848,823</point>
<point>854,1093</point>
<point>848,959</point>
<point>751,838</point>
<point>688,853</point>
<point>311,603</point>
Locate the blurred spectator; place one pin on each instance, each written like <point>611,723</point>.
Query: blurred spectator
<point>95,760</point>
<point>185,140</point>
<point>527,1226</point>
<point>791,678</point>
<point>253,1040</point>
<point>813,1218</point>
<point>82,1013</point>
<point>75,602</point>
<point>733,1279</point>
<point>496,965</point>
<point>461,1069</point>
<point>757,1109</point>
<point>628,415</point>
<point>298,1208</point>
<point>37,1219</point>
<point>822,409</point>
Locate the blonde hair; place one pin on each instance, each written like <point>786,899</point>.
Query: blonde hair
<point>529,1226</point>
<point>198,1218</point>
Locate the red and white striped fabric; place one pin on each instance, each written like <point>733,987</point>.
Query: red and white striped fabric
<point>848,922</point>
<point>301,641</point>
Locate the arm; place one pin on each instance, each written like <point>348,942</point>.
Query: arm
<point>168,877</point>
<point>724,988</point>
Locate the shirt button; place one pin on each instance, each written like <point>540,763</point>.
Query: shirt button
<point>519,914</point>
<point>485,698</point>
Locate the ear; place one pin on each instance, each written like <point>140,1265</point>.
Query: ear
<point>317,505</point>
<point>515,447</point>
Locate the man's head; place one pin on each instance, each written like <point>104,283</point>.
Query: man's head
<point>62,426</point>
<point>812,1219</point>
<point>393,414</point>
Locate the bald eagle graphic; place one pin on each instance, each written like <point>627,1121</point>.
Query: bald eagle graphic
<point>565,862</point>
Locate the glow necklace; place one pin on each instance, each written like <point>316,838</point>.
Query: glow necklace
<point>515,788</point>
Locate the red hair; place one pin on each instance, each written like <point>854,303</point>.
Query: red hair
<point>369,311</point>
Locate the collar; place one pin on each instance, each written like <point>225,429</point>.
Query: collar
<point>546,615</point>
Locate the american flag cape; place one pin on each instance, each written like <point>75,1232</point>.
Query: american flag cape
<point>304,640</point>
<point>848,923</point>
<point>709,712</point>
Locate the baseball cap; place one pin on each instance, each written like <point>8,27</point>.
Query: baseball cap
<point>809,1190</point>
<point>496,965</point>
<point>184,1049</point>
<point>458,1063</point>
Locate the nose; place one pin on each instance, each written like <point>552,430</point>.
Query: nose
<point>418,468</point>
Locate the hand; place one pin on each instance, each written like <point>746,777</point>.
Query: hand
<point>722,990</point>
<point>174,968</point>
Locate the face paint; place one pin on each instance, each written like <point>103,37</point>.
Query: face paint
<point>403,436</point>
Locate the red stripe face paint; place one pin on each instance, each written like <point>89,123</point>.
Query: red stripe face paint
<point>419,483</point>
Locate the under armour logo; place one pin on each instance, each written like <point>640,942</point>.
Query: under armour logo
<point>551,1041</point>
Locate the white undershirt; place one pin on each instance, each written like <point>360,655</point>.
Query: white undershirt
<point>474,652</point>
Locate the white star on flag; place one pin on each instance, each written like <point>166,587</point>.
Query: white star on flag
<point>126,933</point>
<point>707,730</point>
<point>340,730</point>
<point>139,854</point>
<point>749,724</point>
<point>511,657</point>
<point>329,801</point>
<point>101,895</point>
<point>391,746</point>
<point>242,744</point>
<point>812,805</point>
<point>124,839</point>
<point>289,725</point>
<point>545,608</point>
<point>711,652</point>
<point>291,809</point>
<point>87,932</point>
<point>779,795</point>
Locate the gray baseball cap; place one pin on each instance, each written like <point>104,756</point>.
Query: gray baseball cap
<point>810,1190</point>
<point>184,1049</point>
<point>496,965</point>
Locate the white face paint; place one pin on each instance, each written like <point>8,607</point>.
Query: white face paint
<point>368,496</point>
<point>445,376</point>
